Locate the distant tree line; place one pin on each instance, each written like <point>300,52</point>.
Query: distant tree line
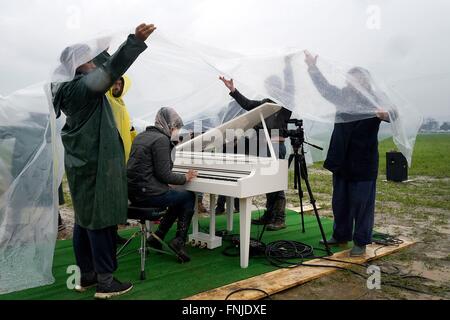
<point>432,125</point>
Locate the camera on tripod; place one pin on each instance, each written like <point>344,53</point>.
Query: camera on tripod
<point>297,136</point>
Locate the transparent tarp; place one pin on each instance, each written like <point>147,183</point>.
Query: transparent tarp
<point>185,75</point>
<point>29,157</point>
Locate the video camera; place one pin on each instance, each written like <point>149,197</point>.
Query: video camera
<point>297,136</point>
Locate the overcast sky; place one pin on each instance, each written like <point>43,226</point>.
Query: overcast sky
<point>403,42</point>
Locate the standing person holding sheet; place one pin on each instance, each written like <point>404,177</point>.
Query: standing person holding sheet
<point>274,216</point>
<point>95,160</point>
<point>353,155</point>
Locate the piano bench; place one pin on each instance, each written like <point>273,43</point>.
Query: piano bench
<point>146,217</point>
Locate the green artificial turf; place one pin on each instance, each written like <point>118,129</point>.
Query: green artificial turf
<point>169,280</point>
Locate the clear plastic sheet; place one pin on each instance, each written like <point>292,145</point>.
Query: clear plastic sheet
<point>31,170</point>
<point>30,155</point>
<point>184,75</point>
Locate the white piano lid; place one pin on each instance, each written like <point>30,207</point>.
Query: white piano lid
<point>244,122</point>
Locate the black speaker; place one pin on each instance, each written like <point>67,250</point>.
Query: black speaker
<point>396,167</point>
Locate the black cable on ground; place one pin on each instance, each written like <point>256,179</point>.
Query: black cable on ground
<point>247,289</point>
<point>282,253</point>
<point>386,239</point>
<point>288,254</point>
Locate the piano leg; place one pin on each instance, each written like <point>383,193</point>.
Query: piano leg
<point>245,226</point>
<point>212,221</point>
<point>230,211</point>
<point>193,237</point>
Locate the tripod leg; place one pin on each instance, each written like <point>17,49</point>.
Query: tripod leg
<point>300,193</point>
<point>313,202</point>
<point>304,175</point>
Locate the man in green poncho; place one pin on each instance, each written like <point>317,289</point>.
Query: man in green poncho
<point>95,160</point>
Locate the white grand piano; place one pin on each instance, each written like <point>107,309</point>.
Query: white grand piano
<point>231,175</point>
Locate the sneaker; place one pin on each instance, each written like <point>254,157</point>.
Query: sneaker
<point>178,246</point>
<point>333,242</point>
<point>358,251</point>
<point>154,243</point>
<point>86,284</point>
<point>201,208</point>
<point>116,288</point>
<point>276,226</point>
<point>220,210</point>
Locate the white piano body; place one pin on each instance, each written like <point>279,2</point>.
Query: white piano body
<point>231,175</point>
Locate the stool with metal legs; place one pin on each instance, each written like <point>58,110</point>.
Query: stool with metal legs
<point>146,218</point>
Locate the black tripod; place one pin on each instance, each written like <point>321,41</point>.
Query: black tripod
<point>301,172</point>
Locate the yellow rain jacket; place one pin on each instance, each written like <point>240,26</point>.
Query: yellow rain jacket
<point>122,117</point>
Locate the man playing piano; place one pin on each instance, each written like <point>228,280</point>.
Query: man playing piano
<point>274,216</point>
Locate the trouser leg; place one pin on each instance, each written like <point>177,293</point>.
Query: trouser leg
<point>221,202</point>
<point>104,246</point>
<point>362,207</point>
<point>279,198</point>
<point>343,220</point>
<point>236,204</point>
<point>279,207</point>
<point>270,202</point>
<point>82,250</point>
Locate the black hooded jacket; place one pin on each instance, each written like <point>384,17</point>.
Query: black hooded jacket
<point>150,166</point>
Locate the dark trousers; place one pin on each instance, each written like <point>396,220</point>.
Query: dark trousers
<point>273,197</point>
<point>353,205</point>
<point>180,206</point>
<point>95,250</point>
<point>221,200</point>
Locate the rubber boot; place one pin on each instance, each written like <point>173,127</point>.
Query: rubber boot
<point>266,218</point>
<point>279,221</point>
<point>178,245</point>
<point>166,223</point>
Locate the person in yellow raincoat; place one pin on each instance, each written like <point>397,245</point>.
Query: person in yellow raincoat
<point>121,116</point>
<point>122,119</point>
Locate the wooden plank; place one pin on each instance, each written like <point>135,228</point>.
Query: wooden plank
<point>306,208</point>
<point>283,279</point>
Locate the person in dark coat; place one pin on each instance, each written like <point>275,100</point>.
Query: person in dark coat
<point>95,160</point>
<point>151,180</point>
<point>352,156</point>
<point>274,216</point>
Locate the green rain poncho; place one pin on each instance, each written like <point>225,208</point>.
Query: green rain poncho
<point>94,156</point>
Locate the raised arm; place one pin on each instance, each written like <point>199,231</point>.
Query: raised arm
<point>100,81</point>
<point>328,91</point>
<point>289,81</point>
<point>243,101</point>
